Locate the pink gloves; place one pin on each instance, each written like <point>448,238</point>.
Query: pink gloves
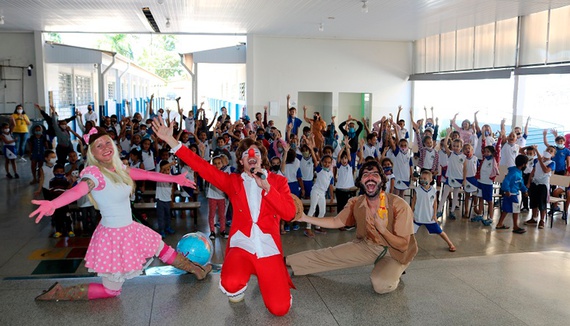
<point>138,174</point>
<point>69,196</point>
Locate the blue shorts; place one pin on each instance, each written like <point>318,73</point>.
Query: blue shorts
<point>471,185</point>
<point>294,188</point>
<point>511,204</point>
<point>9,152</point>
<point>308,187</point>
<point>433,228</point>
<point>485,192</point>
<point>454,183</point>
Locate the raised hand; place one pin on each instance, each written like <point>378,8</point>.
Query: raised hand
<point>46,207</point>
<point>181,180</point>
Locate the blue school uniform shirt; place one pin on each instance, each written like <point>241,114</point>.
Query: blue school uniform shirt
<point>560,159</point>
<point>513,181</point>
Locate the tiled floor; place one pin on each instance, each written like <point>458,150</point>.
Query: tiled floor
<point>494,278</point>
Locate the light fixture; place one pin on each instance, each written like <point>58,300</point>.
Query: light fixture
<point>1,20</point>
<point>167,22</point>
<point>321,27</point>
<point>365,6</point>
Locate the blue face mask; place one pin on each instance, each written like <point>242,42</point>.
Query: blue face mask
<point>351,130</point>
<point>260,137</point>
<point>293,146</point>
<point>39,133</point>
<point>487,133</point>
<point>387,169</point>
<point>489,157</point>
<point>59,175</point>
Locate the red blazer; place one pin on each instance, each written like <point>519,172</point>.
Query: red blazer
<point>276,205</point>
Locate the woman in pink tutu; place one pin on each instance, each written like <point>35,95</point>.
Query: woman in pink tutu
<point>120,248</point>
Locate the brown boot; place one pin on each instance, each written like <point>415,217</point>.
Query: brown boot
<point>185,264</point>
<point>57,292</point>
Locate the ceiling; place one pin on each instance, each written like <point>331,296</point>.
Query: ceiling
<point>400,20</point>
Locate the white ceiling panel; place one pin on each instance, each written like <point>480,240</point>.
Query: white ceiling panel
<point>343,19</point>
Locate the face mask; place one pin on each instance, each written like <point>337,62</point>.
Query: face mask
<point>547,155</point>
<point>39,133</point>
<point>487,133</point>
<point>530,157</point>
<point>52,160</point>
<point>306,154</point>
<point>59,175</point>
<point>280,150</point>
<point>260,137</point>
<point>387,169</point>
<point>560,146</point>
<point>326,169</point>
<point>275,168</point>
<point>424,182</point>
<point>489,157</point>
<point>351,130</point>
<point>63,127</point>
<point>429,125</point>
<point>6,130</point>
<point>294,146</point>
<point>315,117</point>
<point>20,111</point>
<point>518,134</point>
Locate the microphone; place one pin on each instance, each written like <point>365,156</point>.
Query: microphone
<point>259,174</point>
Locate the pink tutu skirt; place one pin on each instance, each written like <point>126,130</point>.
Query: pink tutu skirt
<point>121,253</point>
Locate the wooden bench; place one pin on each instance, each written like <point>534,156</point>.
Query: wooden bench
<point>152,193</point>
<point>307,204</point>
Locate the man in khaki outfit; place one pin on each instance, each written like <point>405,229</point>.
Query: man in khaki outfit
<point>384,234</point>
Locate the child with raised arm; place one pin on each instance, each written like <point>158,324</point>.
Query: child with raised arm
<point>454,178</point>
<point>470,184</point>
<point>539,185</point>
<point>401,156</point>
<point>323,182</point>
<point>424,205</point>
<point>487,171</point>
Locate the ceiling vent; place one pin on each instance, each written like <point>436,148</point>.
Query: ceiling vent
<point>150,18</point>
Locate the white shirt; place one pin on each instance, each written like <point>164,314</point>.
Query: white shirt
<point>258,243</point>
<point>164,191</point>
<point>423,211</point>
<point>344,177</point>
<point>508,154</point>
<point>90,116</point>
<point>307,169</point>
<point>291,170</point>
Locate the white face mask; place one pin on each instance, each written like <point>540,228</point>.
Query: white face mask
<point>52,160</point>
<point>547,155</point>
<point>20,111</point>
<point>6,130</point>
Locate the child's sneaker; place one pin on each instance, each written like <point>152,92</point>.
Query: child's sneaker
<point>439,214</point>
<point>169,231</point>
<point>16,175</point>
<point>287,228</point>
<point>224,235</point>
<point>71,234</point>
<point>57,235</point>
<point>477,218</point>
<point>212,235</point>
<point>487,222</point>
<point>296,227</point>
<point>162,234</point>
<point>9,176</point>
<point>217,225</point>
<point>451,216</point>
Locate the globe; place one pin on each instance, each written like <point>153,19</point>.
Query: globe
<point>197,247</point>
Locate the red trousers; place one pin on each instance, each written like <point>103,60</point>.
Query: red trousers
<point>272,276</point>
<point>217,205</point>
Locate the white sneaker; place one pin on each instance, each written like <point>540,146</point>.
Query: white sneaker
<point>236,298</point>
<point>22,159</point>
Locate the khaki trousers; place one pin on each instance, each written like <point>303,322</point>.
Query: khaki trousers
<point>385,275</point>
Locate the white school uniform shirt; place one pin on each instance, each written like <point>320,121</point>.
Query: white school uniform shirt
<point>471,166</point>
<point>489,141</point>
<point>48,175</point>
<point>164,191</point>
<point>323,181</point>
<point>443,158</point>
<point>521,141</point>
<point>541,178</point>
<point>148,160</point>
<point>368,150</point>
<point>455,165</point>
<point>429,157</point>
<point>389,179</point>
<point>508,154</point>
<point>344,177</point>
<point>423,211</point>
<point>307,169</point>
<point>485,172</point>
<point>292,170</point>
<point>401,163</point>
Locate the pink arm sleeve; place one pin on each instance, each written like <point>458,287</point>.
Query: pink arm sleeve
<point>69,196</point>
<point>139,174</point>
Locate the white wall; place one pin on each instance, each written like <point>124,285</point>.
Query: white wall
<point>279,66</point>
<point>18,49</point>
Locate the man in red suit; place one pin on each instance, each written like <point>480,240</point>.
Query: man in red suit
<point>259,200</point>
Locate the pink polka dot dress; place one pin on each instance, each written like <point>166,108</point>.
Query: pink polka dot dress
<point>120,248</point>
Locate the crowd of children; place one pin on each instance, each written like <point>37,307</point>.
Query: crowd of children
<point>319,166</point>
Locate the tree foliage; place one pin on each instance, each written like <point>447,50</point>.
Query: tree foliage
<point>158,55</point>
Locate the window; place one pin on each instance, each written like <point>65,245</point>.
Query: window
<point>111,91</point>
<point>65,96</point>
<point>83,90</point>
